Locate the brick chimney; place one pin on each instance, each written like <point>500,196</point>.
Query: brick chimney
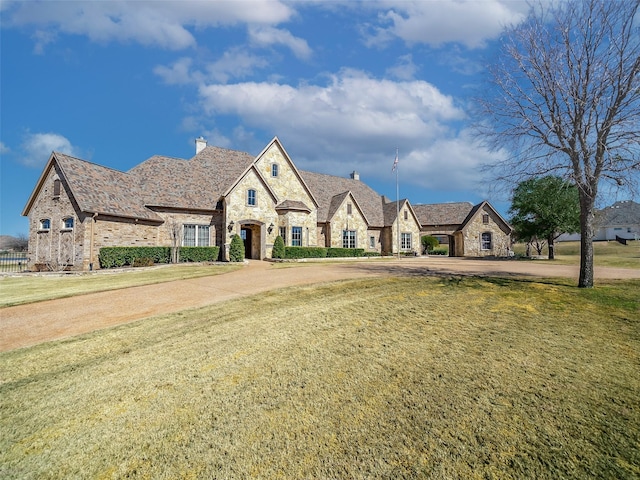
<point>355,175</point>
<point>201,143</point>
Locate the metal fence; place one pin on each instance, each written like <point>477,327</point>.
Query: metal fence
<point>13,262</point>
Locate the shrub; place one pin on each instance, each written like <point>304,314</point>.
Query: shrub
<point>429,243</point>
<point>110,257</point>
<point>142,262</point>
<point>439,251</point>
<point>199,254</point>
<point>305,252</point>
<point>345,252</point>
<point>278,250</point>
<point>372,254</point>
<point>236,250</point>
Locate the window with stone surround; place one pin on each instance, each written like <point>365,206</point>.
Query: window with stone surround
<point>405,241</point>
<point>406,215</point>
<point>195,235</point>
<point>486,241</point>
<point>296,236</point>
<point>349,209</point>
<point>485,218</point>
<point>67,223</point>
<point>251,197</point>
<point>45,224</point>
<point>274,170</point>
<point>348,239</point>
<point>372,242</point>
<point>283,234</point>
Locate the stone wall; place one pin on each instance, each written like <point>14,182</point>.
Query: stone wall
<point>56,247</point>
<point>472,236</point>
<point>343,220</point>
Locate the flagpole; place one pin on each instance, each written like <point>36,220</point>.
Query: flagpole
<point>397,206</point>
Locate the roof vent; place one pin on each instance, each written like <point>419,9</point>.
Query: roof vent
<point>201,143</point>
<point>355,175</point>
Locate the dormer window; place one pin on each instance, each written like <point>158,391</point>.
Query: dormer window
<point>274,170</point>
<point>56,188</point>
<point>45,224</point>
<point>67,223</point>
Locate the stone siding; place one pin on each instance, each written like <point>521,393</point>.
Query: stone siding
<point>471,236</point>
<point>56,247</point>
<point>342,220</point>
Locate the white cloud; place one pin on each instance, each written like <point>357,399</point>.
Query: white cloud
<point>37,148</point>
<point>162,24</point>
<point>266,36</point>
<point>404,69</point>
<point>4,149</point>
<point>364,116</point>
<point>469,22</point>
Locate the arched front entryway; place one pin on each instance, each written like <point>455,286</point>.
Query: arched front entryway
<point>252,235</point>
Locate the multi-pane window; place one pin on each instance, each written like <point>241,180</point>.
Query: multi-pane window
<point>56,187</point>
<point>274,170</point>
<point>296,236</point>
<point>405,241</point>
<point>67,223</point>
<point>372,242</point>
<point>251,197</point>
<point>348,239</point>
<point>486,241</point>
<point>283,234</point>
<point>195,236</point>
<point>485,218</point>
<point>45,224</point>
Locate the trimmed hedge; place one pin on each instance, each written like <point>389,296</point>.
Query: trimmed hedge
<point>236,249</point>
<point>111,257</point>
<point>278,250</point>
<point>305,252</point>
<point>199,254</point>
<point>345,252</point>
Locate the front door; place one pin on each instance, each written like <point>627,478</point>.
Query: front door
<point>245,234</point>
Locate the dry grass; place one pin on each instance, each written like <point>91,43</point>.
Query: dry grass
<point>28,288</point>
<point>605,254</point>
<point>386,378</point>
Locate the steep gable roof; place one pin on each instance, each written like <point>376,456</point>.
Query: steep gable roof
<point>326,187</point>
<point>437,214</point>
<point>338,200</point>
<point>98,189</point>
<point>197,183</point>
<point>474,211</point>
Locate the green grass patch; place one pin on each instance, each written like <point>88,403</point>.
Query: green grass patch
<point>378,378</point>
<point>16,290</point>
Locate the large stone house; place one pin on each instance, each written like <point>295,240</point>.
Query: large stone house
<point>471,230</point>
<point>78,207</point>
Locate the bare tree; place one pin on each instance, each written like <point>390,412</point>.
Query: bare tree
<point>564,98</point>
<point>175,233</point>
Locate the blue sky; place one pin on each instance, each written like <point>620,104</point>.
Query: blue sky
<point>341,83</point>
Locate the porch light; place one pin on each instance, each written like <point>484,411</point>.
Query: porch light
<point>230,227</point>
<point>270,228</point>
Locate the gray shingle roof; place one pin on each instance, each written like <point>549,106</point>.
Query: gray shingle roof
<point>325,187</point>
<point>626,212</point>
<point>293,205</point>
<point>197,183</point>
<point>99,189</point>
<point>443,213</point>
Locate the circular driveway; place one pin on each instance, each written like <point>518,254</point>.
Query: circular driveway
<point>34,323</point>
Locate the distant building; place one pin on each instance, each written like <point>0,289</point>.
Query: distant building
<point>622,219</point>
